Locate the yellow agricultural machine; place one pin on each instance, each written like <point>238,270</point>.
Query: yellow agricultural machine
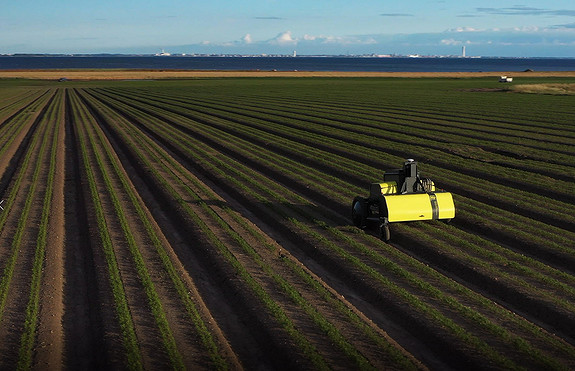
<point>402,197</point>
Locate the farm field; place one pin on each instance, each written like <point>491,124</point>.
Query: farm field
<point>205,224</point>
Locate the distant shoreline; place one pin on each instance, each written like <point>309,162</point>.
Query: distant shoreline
<point>149,74</point>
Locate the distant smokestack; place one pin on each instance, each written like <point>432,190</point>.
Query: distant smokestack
<point>463,51</point>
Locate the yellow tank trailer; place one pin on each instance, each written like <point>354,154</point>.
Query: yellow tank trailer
<point>402,197</point>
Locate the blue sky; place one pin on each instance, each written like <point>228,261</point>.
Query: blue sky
<point>518,28</point>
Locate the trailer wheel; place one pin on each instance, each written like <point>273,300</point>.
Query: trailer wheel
<point>384,232</point>
<point>359,212</point>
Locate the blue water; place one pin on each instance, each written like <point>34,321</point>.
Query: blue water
<point>290,64</point>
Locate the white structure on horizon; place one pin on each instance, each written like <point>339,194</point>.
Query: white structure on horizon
<point>294,54</point>
<point>463,51</point>
<point>163,54</point>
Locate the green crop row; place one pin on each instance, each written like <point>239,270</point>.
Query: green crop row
<point>13,105</point>
<point>227,171</point>
<point>386,141</point>
<point>269,303</point>
<point>485,147</point>
<point>376,118</point>
<point>193,312</point>
<point>513,229</point>
<point>533,204</point>
<point>487,171</point>
<point>430,99</point>
<point>10,264</point>
<point>52,122</point>
<point>285,286</point>
<point>296,171</point>
<point>153,299</point>
<point>10,130</point>
<point>231,127</point>
<point>404,129</point>
<point>130,341</point>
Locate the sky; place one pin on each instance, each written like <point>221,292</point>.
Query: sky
<point>517,28</point>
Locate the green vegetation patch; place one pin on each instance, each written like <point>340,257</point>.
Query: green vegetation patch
<point>555,89</point>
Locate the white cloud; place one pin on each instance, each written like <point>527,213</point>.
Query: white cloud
<point>247,39</point>
<point>464,29</point>
<point>526,29</point>
<point>287,38</point>
<point>520,41</point>
<point>521,10</point>
<point>451,42</point>
<point>283,38</point>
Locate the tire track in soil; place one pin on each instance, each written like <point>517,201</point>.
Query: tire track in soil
<point>25,210</point>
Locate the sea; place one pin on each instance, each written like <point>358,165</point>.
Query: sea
<point>303,63</point>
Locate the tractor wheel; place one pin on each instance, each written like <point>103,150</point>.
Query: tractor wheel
<point>359,212</point>
<point>384,232</point>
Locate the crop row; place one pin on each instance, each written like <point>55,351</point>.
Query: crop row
<point>29,197</point>
<point>284,286</point>
<point>402,138</point>
<point>444,130</point>
<point>234,151</point>
<point>273,135</point>
<point>385,115</point>
<point>385,141</point>
<point>514,227</point>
